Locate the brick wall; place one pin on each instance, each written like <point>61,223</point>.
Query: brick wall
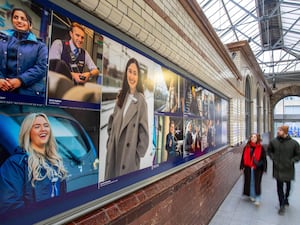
<point>188,197</point>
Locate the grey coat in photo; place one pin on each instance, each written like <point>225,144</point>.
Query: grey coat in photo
<point>128,137</point>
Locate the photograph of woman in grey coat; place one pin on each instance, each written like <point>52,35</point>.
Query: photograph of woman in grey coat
<point>128,134</point>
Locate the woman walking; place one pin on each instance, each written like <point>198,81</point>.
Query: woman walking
<point>253,164</point>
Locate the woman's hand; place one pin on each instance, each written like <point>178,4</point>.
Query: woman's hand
<point>5,85</point>
<point>15,83</point>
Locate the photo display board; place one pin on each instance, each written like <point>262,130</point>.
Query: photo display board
<point>84,115</point>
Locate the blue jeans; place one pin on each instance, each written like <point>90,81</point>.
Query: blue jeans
<point>252,183</point>
<point>252,187</point>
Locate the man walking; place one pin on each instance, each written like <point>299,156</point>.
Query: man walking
<point>284,151</point>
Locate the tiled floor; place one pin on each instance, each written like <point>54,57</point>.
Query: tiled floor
<point>237,210</point>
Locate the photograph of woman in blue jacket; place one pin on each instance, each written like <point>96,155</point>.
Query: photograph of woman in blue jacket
<point>128,134</point>
<point>23,61</point>
<point>35,172</point>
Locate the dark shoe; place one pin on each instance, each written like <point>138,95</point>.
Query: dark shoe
<point>281,210</point>
<point>286,202</point>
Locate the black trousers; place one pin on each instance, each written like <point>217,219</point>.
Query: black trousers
<point>282,195</point>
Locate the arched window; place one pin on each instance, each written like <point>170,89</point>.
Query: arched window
<point>264,115</point>
<point>258,111</point>
<point>248,107</point>
<point>286,111</point>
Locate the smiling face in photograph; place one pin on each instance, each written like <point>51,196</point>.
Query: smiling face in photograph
<point>39,134</point>
<point>132,77</point>
<point>77,36</point>
<point>20,21</point>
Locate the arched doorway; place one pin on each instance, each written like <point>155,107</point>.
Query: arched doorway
<point>258,111</point>
<point>286,112</point>
<point>276,97</point>
<point>265,125</point>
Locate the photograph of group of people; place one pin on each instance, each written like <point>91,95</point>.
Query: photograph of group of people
<point>152,115</point>
<point>48,58</point>
<point>189,120</point>
<point>79,109</point>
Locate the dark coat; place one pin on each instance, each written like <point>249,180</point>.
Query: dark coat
<point>188,142</point>
<point>261,167</point>
<point>284,152</point>
<point>31,64</point>
<point>128,137</point>
<point>171,148</point>
<point>16,190</point>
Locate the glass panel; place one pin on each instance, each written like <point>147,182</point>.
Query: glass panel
<point>237,20</point>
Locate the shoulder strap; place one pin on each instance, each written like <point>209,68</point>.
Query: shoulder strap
<point>66,45</point>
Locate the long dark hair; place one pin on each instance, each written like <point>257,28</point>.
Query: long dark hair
<point>125,85</point>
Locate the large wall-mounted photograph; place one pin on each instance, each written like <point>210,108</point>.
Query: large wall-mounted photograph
<point>87,115</point>
<point>75,64</point>
<point>45,152</point>
<point>127,111</point>
<point>24,52</point>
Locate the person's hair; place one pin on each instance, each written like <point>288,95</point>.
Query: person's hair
<point>171,123</point>
<point>28,17</point>
<point>125,85</point>
<point>187,126</point>
<point>193,89</point>
<point>75,24</point>
<point>259,139</point>
<point>37,161</point>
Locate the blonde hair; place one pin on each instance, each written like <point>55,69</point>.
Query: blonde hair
<point>75,24</point>
<point>37,161</point>
<point>187,126</point>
